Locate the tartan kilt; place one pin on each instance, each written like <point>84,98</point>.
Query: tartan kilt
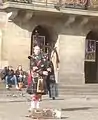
<point>37,87</point>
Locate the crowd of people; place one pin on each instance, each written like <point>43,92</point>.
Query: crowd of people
<point>13,77</point>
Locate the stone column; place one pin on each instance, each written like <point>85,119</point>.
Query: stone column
<point>72,59</point>
<point>0,46</point>
<point>3,24</point>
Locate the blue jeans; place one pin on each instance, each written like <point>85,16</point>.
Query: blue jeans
<point>11,80</point>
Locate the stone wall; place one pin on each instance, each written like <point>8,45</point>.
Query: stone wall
<point>72,59</point>
<point>16,45</point>
<point>0,45</point>
<point>72,50</point>
<point>3,22</point>
<point>72,53</point>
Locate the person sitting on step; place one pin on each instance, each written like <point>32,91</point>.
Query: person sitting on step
<point>10,78</point>
<point>20,74</point>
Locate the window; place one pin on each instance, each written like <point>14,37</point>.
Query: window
<point>90,50</point>
<point>39,40</point>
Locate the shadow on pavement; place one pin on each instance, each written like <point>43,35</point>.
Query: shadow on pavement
<point>64,118</point>
<point>48,99</point>
<point>76,109</point>
<point>15,101</point>
<point>48,118</point>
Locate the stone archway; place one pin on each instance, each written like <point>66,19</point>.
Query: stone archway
<point>45,35</point>
<point>91,57</point>
<point>50,45</point>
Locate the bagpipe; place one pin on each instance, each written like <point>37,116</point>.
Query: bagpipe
<point>40,64</point>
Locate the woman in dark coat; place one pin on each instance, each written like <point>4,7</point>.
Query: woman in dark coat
<point>51,83</point>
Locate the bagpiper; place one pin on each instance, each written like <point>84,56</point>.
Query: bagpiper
<point>39,72</point>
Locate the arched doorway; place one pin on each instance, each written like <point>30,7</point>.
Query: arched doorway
<point>41,36</point>
<point>91,57</point>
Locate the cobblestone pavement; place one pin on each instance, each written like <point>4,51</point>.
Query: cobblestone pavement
<point>73,108</point>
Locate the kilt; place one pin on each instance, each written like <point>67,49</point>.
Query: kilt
<point>37,86</point>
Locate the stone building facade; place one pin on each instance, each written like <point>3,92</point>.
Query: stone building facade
<point>67,28</point>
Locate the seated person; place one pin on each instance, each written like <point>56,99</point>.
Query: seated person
<point>20,74</point>
<point>11,78</point>
<point>4,73</point>
<point>21,77</point>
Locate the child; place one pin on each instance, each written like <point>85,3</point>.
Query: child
<point>34,102</point>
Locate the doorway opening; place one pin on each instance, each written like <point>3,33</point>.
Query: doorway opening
<point>41,37</point>
<point>91,57</point>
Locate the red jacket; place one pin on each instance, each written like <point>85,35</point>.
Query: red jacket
<point>29,79</point>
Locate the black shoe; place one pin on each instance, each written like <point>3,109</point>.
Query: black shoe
<point>49,96</point>
<point>53,98</point>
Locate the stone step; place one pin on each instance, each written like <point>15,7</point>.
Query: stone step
<point>78,93</point>
<point>89,89</point>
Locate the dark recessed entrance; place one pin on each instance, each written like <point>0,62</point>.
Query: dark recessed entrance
<point>40,36</point>
<point>91,57</point>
